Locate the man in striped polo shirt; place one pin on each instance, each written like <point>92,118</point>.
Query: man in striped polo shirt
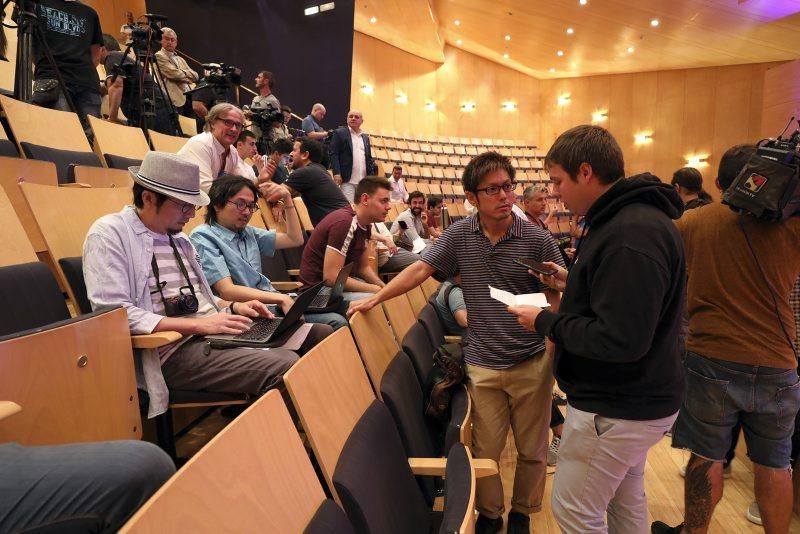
<point>510,377</point>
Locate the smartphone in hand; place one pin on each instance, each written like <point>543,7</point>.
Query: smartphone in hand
<point>536,266</point>
<point>403,225</point>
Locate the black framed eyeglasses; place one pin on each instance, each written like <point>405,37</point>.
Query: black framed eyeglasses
<point>185,207</point>
<point>493,190</point>
<point>241,205</point>
<point>232,124</point>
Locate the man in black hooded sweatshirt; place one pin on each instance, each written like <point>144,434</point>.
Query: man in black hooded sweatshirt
<point>618,355</point>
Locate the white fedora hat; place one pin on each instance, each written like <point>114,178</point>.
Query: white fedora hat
<point>171,175</point>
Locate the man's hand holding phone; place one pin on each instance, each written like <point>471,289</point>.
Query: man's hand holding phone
<point>550,274</point>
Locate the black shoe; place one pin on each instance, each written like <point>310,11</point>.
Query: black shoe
<point>486,525</point>
<point>518,523</point>
<point>662,528</point>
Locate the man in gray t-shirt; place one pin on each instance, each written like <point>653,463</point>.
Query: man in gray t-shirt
<point>452,310</point>
<point>265,81</point>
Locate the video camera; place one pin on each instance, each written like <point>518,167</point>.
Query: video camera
<point>265,117</point>
<point>768,187</point>
<point>222,74</point>
<point>147,35</point>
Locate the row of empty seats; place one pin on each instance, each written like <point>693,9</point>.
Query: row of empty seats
<point>426,143</point>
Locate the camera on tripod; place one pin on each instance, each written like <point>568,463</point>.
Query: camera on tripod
<point>147,35</point>
<point>768,187</point>
<point>265,117</point>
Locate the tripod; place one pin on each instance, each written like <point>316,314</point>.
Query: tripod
<point>28,29</point>
<point>144,111</point>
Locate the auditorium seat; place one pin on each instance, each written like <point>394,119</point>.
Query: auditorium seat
<point>103,177</point>
<point>375,341</point>
<point>254,476</point>
<point>74,378</point>
<point>118,146</point>
<point>358,448</point>
<point>166,143</point>
<point>16,247</point>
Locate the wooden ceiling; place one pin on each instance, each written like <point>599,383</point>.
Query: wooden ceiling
<point>690,33</point>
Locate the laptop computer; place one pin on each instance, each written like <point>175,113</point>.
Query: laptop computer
<point>328,302</point>
<point>263,330</point>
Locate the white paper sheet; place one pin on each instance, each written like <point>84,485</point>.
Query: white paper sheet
<point>509,299</point>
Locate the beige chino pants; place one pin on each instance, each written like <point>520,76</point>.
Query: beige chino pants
<point>520,398</point>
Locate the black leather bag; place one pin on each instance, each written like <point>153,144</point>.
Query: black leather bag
<point>447,372</point>
<point>45,92</point>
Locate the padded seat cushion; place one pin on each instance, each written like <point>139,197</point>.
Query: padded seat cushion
<point>121,162</point>
<point>65,160</point>
<point>329,519</point>
<point>375,483</point>
<point>29,298</point>
<point>417,345</point>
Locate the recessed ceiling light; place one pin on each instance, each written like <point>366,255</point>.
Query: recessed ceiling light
<point>459,42</point>
<point>570,31</point>
<point>457,22</point>
<point>508,37</point>
<point>373,20</point>
<point>582,2</point>
<point>313,10</point>
<point>560,53</point>
<point>505,55</point>
<point>631,49</point>
<point>654,22</point>
<point>552,69</point>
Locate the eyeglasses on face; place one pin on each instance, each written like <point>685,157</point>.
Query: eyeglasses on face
<point>493,190</point>
<point>231,124</point>
<point>184,207</point>
<point>241,205</point>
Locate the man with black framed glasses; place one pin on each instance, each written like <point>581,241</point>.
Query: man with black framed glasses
<point>214,150</point>
<point>231,249</point>
<point>140,259</point>
<point>509,372</point>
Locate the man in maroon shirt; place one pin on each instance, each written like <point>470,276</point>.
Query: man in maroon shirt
<point>534,198</point>
<point>341,238</point>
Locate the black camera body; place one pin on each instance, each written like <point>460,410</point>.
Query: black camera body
<point>182,304</point>
<point>146,37</point>
<point>265,117</point>
<point>768,187</point>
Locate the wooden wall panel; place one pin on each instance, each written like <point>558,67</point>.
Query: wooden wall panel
<point>690,112</point>
<point>112,12</point>
<point>781,98</point>
<point>463,77</point>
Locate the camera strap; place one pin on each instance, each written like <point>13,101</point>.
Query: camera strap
<point>160,285</point>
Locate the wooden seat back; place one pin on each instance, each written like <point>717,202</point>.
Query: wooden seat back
<point>16,247</point>
<point>400,314</point>
<point>12,170</point>
<point>117,140</point>
<point>45,127</point>
<point>166,143</point>
<point>103,177</point>
<point>65,214</point>
<point>375,341</point>
<point>254,476</point>
<point>75,382</point>
<point>330,390</point>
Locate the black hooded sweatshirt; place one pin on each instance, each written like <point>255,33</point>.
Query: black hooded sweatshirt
<point>618,352</point>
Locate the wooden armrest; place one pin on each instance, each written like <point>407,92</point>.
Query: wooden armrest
<point>153,341</point>
<point>452,339</point>
<point>435,467</point>
<point>293,272</point>
<point>76,184</point>
<point>8,408</point>
<point>287,286</point>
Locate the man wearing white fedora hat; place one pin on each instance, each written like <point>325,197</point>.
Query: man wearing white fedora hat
<point>140,259</point>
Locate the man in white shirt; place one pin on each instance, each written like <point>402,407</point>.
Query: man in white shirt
<point>351,156</point>
<point>175,72</point>
<point>214,150</point>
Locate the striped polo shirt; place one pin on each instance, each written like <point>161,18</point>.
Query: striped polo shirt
<point>495,340</point>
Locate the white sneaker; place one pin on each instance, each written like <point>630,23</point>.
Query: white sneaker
<point>754,514</point>
<point>727,469</point>
<point>552,452</point>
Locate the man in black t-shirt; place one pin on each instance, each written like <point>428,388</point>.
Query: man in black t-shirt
<point>72,32</point>
<point>311,181</point>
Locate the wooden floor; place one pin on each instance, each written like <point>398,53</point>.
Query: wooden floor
<point>663,484</point>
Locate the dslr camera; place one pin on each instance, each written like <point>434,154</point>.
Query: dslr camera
<point>182,304</point>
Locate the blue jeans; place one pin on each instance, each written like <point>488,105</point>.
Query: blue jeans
<point>720,394</point>
<point>87,103</point>
<point>81,487</point>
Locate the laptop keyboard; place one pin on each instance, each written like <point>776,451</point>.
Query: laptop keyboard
<point>320,301</point>
<point>262,329</point>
